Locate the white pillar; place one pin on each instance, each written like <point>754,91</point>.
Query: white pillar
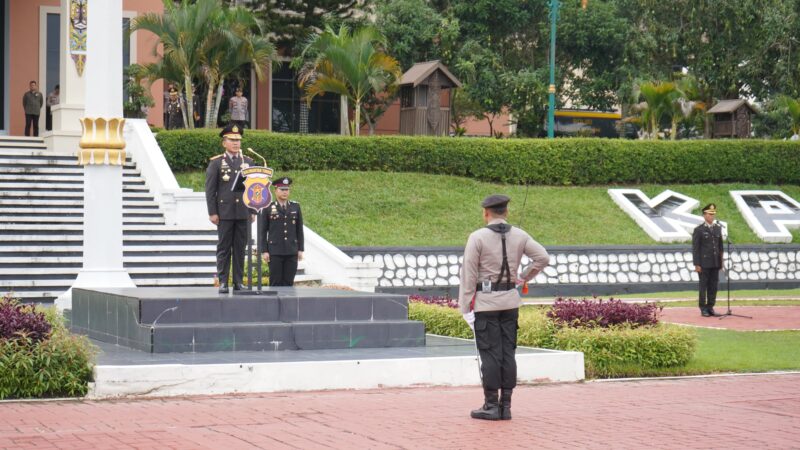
<point>102,184</point>
<point>66,130</point>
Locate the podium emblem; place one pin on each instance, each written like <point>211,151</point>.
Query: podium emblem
<point>256,187</point>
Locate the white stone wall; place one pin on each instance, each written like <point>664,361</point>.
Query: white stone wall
<point>415,268</point>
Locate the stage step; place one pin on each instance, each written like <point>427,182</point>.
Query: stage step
<point>201,320</point>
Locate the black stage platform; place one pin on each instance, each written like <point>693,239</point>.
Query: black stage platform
<point>166,320</point>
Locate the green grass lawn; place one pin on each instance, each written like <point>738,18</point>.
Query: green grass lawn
<point>409,209</point>
<point>720,351</point>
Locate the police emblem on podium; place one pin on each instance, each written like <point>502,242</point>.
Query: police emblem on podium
<point>256,187</point>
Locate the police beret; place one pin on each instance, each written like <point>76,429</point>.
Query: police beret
<point>283,181</point>
<point>710,208</point>
<point>495,201</point>
<point>232,131</point>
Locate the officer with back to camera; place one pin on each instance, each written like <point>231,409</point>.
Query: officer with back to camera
<point>226,208</point>
<point>490,302</point>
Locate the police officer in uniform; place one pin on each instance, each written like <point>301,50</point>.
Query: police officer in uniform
<point>226,208</point>
<point>282,235</point>
<point>707,258</point>
<point>490,302</point>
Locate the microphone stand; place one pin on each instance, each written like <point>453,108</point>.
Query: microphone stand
<point>729,313</point>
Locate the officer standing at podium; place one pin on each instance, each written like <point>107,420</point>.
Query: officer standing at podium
<point>282,235</point>
<point>707,254</point>
<point>226,208</point>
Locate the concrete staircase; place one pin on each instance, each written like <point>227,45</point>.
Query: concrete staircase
<point>41,228</point>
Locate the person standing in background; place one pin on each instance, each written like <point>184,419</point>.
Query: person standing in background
<point>32,102</point>
<point>52,100</point>
<point>238,106</point>
<point>707,252</point>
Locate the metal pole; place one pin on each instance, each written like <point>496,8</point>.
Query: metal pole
<point>551,116</point>
<point>260,224</point>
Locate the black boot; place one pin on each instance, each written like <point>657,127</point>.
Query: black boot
<point>223,288</point>
<point>505,404</point>
<point>490,409</point>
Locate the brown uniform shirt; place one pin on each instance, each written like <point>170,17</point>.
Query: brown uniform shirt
<point>483,257</point>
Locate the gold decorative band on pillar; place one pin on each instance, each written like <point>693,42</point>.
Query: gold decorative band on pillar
<point>102,142</point>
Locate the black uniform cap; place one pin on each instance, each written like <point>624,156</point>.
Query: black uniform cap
<point>495,201</point>
<point>710,208</point>
<point>282,182</point>
<point>232,131</point>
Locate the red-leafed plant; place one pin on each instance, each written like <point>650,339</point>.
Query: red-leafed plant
<point>602,313</point>
<point>18,320</point>
<point>432,300</point>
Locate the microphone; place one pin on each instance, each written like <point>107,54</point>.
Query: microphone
<point>716,221</point>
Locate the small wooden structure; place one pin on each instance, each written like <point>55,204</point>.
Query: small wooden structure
<point>732,119</point>
<point>424,110</point>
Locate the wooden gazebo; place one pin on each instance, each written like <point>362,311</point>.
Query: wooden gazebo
<point>732,119</point>
<point>424,108</point>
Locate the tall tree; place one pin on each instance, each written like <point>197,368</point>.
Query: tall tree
<point>348,63</point>
<point>183,31</point>
<point>292,22</point>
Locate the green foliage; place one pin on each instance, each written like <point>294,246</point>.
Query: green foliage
<point>139,99</point>
<point>608,352</point>
<point>440,320</point>
<point>56,367</point>
<point>414,29</point>
<point>622,350</point>
<point>518,161</point>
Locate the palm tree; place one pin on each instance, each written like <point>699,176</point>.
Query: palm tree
<point>792,106</point>
<point>658,97</point>
<point>184,30</point>
<point>237,40</point>
<point>351,64</point>
<point>685,103</point>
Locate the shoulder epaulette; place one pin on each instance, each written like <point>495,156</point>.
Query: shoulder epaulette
<point>293,202</point>
<point>216,157</point>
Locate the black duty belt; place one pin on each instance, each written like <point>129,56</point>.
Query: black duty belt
<point>497,287</point>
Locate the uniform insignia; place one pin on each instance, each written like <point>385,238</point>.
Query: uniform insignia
<point>216,157</point>
<point>226,177</point>
<point>235,129</point>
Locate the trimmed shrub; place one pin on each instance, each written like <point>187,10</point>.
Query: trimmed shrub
<point>535,329</point>
<point>58,365</point>
<point>627,351</point>
<point>19,321</point>
<point>599,313</point>
<point>516,161</point>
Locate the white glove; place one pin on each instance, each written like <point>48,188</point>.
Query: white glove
<point>470,319</point>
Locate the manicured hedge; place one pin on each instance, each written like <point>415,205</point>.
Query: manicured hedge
<point>616,351</point>
<point>516,161</point>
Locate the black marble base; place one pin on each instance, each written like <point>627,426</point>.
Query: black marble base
<point>163,320</point>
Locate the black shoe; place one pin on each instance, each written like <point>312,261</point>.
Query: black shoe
<point>505,404</point>
<point>704,312</point>
<point>223,288</point>
<point>238,287</point>
<point>490,409</point>
<point>711,311</point>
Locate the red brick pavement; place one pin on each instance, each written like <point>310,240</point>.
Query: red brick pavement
<point>727,412</point>
<point>763,317</point>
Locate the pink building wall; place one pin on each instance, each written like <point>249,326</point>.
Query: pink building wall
<point>24,49</point>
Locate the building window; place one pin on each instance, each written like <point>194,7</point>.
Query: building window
<point>407,97</point>
<point>52,52</point>
<point>288,114</point>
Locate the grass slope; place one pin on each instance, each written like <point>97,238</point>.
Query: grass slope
<point>409,209</point>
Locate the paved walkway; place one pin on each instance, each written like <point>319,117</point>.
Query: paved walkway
<point>727,412</point>
<point>763,317</point>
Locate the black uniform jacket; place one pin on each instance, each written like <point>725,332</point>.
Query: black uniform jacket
<point>707,246</point>
<point>220,199</point>
<point>282,231</point>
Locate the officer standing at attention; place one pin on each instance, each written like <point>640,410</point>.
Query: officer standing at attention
<point>707,258</point>
<point>226,208</point>
<point>490,302</point>
<point>282,235</point>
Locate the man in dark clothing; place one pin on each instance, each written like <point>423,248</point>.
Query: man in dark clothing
<point>32,102</point>
<point>226,208</point>
<point>707,258</point>
<point>282,235</point>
